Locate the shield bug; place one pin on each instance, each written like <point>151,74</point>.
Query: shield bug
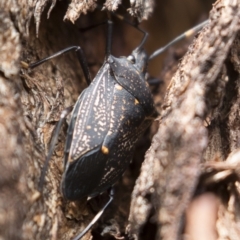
<point>107,120</point>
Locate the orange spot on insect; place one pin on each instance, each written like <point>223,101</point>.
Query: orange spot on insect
<point>136,101</point>
<point>118,87</point>
<point>105,150</point>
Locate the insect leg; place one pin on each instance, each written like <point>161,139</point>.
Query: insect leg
<point>184,35</point>
<point>64,114</point>
<point>96,218</point>
<point>80,55</point>
<point>154,81</point>
<point>109,33</point>
<point>109,38</point>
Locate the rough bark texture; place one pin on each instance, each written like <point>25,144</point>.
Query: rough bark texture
<point>193,162</point>
<point>198,122</point>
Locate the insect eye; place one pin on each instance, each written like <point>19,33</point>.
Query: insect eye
<point>131,58</point>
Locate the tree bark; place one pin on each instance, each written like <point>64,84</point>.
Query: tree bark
<point>193,159</point>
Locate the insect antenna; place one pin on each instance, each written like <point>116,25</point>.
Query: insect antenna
<point>134,24</point>
<point>184,35</point>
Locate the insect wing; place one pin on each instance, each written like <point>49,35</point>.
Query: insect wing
<point>86,132</point>
<point>128,121</point>
<point>71,127</point>
<point>92,116</point>
<point>82,176</point>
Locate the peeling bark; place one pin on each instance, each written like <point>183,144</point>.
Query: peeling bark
<point>194,152</point>
<point>196,94</point>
